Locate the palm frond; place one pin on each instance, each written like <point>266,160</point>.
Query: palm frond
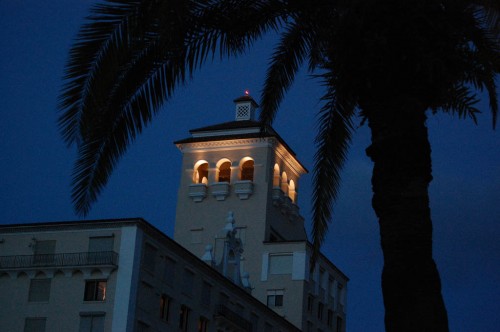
<point>335,129</point>
<point>285,62</point>
<point>462,102</point>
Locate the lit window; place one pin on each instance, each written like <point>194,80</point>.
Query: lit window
<point>184,318</point>
<point>35,324</point>
<point>91,322</point>
<point>164,307</point>
<point>275,298</point>
<point>200,172</point>
<point>39,290</point>
<point>224,170</point>
<point>247,170</point>
<point>95,290</point>
<point>202,324</point>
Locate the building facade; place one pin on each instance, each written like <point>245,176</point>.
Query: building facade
<point>249,172</point>
<point>239,261</point>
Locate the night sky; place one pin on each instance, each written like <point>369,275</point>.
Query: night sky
<point>35,165</point>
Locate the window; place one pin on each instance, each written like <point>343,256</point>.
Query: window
<point>309,326</point>
<point>149,257</point>
<point>275,298</point>
<point>206,293</point>
<point>310,303</point>
<point>254,319</point>
<point>329,319</point>
<point>184,318</point>
<point>169,271</point>
<point>39,290</point>
<point>200,172</point>
<point>280,264</point>
<point>320,311</point>
<point>202,324</point>
<point>44,252</point>
<point>35,324</point>
<point>95,290</point>
<point>224,172</point>
<point>247,170</point>
<point>187,282</point>
<point>91,322</point>
<point>164,307</point>
<point>339,324</point>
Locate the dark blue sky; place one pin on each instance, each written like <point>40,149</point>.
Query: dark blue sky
<point>35,165</point>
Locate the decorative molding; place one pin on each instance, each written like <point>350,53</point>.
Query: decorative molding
<point>197,191</point>
<point>243,188</point>
<point>220,190</point>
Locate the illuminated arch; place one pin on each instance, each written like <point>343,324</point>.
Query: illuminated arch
<point>291,191</point>
<point>284,183</point>
<point>200,174</point>
<point>247,168</point>
<point>276,176</point>
<point>223,170</point>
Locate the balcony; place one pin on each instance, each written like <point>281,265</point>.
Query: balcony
<point>230,320</point>
<point>243,188</point>
<point>106,261</point>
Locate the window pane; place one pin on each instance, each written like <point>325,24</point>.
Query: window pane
<point>247,170</point>
<point>225,172</point>
<point>206,293</point>
<point>95,290</point>
<point>280,264</point>
<point>169,271</point>
<point>39,290</point>
<point>187,282</point>
<point>35,324</point>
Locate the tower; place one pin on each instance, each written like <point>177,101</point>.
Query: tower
<point>246,170</point>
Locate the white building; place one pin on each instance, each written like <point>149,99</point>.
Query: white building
<point>240,260</point>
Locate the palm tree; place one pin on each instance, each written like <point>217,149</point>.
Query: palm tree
<point>390,63</point>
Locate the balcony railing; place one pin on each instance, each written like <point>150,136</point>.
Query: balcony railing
<point>233,318</point>
<point>60,260</point>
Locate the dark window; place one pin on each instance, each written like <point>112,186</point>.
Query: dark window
<point>39,290</point>
<point>101,243</point>
<point>310,303</point>
<point>247,170</point>
<point>329,318</point>
<point>35,324</point>
<point>339,324</point>
<point>91,322</point>
<point>184,318</point>
<point>275,300</point>
<point>187,282</point>
<point>95,290</point>
<point>44,252</point>
<point>320,311</point>
<point>202,324</point>
<point>206,293</point>
<point>169,271</point>
<point>164,307</point>
<point>225,172</point>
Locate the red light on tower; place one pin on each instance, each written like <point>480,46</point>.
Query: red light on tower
<point>247,92</point>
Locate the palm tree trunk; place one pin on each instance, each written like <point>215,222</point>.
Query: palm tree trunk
<point>402,172</point>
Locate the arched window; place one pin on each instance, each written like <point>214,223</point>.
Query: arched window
<point>291,191</point>
<point>284,183</point>
<point>247,169</point>
<point>276,176</point>
<point>200,174</point>
<point>224,171</point>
